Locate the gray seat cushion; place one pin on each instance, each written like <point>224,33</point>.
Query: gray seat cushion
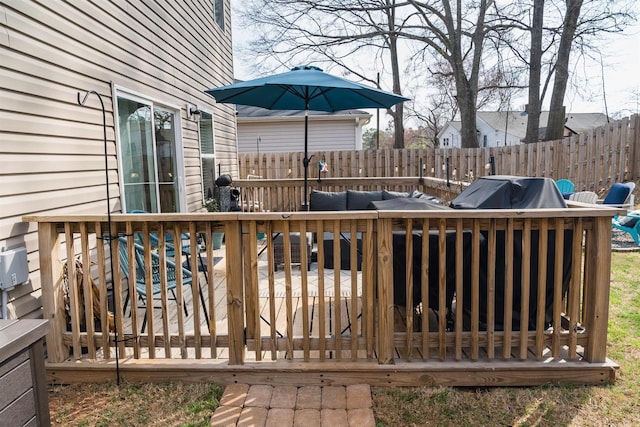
<point>328,201</point>
<point>359,200</point>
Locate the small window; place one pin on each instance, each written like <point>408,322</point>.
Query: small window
<point>207,155</point>
<point>218,13</point>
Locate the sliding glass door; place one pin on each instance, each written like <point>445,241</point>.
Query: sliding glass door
<point>148,149</point>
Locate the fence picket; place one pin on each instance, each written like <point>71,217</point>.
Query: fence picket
<point>593,160</point>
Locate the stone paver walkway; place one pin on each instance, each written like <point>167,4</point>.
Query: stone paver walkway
<point>306,406</point>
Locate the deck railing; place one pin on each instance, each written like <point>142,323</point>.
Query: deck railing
<point>257,308</point>
<point>287,195</point>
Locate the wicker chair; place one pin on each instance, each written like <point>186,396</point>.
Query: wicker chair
<point>278,250</point>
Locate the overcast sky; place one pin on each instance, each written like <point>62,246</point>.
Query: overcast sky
<point>621,67</point>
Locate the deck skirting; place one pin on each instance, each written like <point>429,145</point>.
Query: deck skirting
<point>480,373</point>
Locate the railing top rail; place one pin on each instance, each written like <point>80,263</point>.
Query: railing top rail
<point>573,212</point>
<point>333,181</point>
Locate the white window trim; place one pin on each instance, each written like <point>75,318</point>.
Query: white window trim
<point>117,90</point>
<point>215,151</point>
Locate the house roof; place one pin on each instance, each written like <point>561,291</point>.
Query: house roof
<point>245,111</point>
<point>517,121</point>
<point>580,122</point>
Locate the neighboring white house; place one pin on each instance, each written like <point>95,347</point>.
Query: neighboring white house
<point>262,130</point>
<point>502,128</point>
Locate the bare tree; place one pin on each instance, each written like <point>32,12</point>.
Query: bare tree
<point>334,33</point>
<point>546,35</point>
<point>456,31</point>
<point>480,48</point>
<point>555,125</point>
<point>534,106</point>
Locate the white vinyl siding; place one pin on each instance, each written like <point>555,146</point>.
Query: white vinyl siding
<point>52,149</point>
<point>282,136</point>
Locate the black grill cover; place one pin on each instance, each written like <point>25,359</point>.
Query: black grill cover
<point>513,192</point>
<point>510,192</point>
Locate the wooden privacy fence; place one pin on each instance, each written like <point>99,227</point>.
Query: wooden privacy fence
<point>592,160</point>
<point>503,296</point>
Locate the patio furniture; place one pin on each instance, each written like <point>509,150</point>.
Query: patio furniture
<point>153,237</point>
<point>358,200</point>
<point>296,258</point>
<point>619,195</point>
<point>155,275</point>
<point>584,197</point>
<point>566,187</point>
<point>629,224</point>
<point>514,192</point>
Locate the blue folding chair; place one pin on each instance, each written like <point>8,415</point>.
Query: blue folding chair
<point>171,253</point>
<point>155,275</point>
<point>629,224</point>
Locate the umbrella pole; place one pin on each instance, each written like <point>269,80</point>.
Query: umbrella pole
<point>306,161</point>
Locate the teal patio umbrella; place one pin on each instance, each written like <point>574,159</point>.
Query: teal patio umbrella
<point>305,88</point>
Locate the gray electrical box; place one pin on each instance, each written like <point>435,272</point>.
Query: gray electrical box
<point>14,269</point>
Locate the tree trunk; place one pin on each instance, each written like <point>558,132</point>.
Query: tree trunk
<point>398,126</point>
<point>468,127</point>
<point>535,65</point>
<point>555,125</point>
<point>398,113</point>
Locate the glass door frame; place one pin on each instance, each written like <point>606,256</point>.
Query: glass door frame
<point>119,91</point>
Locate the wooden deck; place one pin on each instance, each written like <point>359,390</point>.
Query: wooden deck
<point>326,326</point>
<point>270,314</point>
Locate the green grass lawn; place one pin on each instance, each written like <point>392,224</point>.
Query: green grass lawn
<point>612,405</point>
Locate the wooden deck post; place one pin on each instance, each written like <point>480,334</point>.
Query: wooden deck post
<point>385,292</point>
<point>597,289</point>
<point>52,292</point>
<point>235,299</point>
<point>251,279</point>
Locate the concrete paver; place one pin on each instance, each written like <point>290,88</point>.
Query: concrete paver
<point>359,396</point>
<point>333,418</point>
<point>259,395</point>
<point>234,395</point>
<point>359,417</point>
<point>226,416</point>
<point>304,406</point>
<point>334,397</point>
<point>253,417</point>
<point>307,418</point>
<point>279,417</point>
<point>284,396</point>
<point>309,397</point>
